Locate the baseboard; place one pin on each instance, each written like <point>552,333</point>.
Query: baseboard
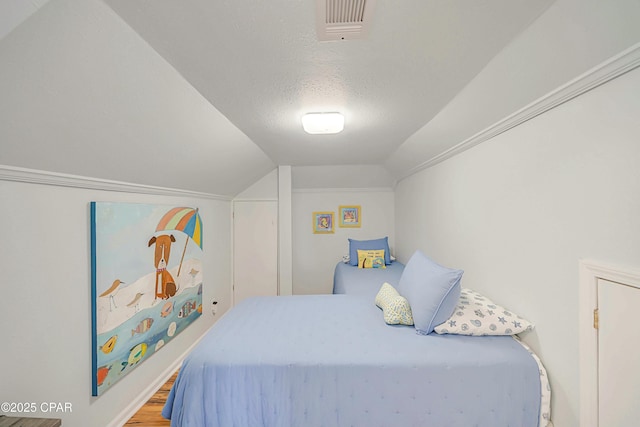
<point>151,389</point>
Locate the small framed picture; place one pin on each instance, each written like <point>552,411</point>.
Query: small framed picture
<point>323,223</point>
<point>349,216</point>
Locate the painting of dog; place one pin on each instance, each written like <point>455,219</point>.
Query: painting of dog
<point>165,284</point>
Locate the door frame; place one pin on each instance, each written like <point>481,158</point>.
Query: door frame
<point>590,272</point>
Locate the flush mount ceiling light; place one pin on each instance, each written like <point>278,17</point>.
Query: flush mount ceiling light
<point>323,123</point>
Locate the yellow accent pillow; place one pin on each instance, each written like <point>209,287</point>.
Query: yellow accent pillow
<point>371,259</point>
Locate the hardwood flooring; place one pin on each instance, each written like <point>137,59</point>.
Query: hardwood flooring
<point>150,414</point>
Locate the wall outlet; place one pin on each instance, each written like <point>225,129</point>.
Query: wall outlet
<point>214,305</point>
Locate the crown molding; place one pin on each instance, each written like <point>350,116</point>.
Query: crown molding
<point>254,199</point>
<point>614,67</point>
<point>32,176</point>
<point>343,190</point>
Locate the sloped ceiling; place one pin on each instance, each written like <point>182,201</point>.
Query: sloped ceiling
<point>83,94</point>
<point>260,63</point>
<point>207,95</point>
<point>14,12</point>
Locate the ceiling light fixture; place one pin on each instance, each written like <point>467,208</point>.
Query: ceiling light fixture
<point>323,123</point>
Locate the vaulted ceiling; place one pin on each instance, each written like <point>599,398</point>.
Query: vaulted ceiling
<point>261,64</point>
<point>208,95</point>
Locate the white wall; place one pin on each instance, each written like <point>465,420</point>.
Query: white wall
<point>45,308</point>
<point>518,212</point>
<point>315,255</point>
<point>266,188</point>
<point>341,176</point>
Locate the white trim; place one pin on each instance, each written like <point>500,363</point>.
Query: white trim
<point>590,272</point>
<point>614,67</point>
<point>131,409</point>
<point>343,190</point>
<point>11,173</point>
<point>255,199</point>
<point>232,260</point>
<point>285,231</point>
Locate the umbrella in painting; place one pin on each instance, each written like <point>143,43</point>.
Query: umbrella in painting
<point>186,220</point>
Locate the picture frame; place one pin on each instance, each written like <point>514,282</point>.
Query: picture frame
<point>323,223</point>
<point>350,216</point>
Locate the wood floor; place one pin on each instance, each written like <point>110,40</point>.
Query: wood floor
<point>149,415</point>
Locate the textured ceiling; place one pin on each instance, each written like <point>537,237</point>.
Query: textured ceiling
<point>261,65</point>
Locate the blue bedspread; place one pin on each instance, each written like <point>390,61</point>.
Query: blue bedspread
<point>349,279</point>
<point>330,360</point>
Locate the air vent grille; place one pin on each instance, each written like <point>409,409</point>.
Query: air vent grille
<point>344,11</point>
<point>343,19</point>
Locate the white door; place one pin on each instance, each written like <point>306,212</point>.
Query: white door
<point>618,355</point>
<point>255,249</point>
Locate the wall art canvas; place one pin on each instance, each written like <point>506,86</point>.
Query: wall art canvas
<point>323,223</point>
<point>146,283</point>
<point>349,216</point>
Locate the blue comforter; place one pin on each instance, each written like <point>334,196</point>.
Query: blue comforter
<point>330,360</point>
<point>349,279</point>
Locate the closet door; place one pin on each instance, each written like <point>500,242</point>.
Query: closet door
<point>618,355</point>
<point>255,249</point>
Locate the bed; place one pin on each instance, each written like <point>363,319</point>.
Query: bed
<point>348,279</point>
<point>330,360</point>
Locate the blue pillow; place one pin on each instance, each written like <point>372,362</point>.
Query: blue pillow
<point>431,289</point>
<point>369,245</point>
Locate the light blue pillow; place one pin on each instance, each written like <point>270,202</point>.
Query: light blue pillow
<point>368,245</point>
<point>431,289</point>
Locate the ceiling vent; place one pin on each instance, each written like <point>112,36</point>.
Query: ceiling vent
<point>343,19</point>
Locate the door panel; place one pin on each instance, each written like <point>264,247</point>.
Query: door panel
<point>255,249</point>
<point>618,355</point>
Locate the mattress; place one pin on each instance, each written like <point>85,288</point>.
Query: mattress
<point>349,279</point>
<point>330,360</point>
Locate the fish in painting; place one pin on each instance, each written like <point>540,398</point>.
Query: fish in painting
<point>166,309</point>
<point>135,355</point>
<point>102,373</point>
<point>109,345</point>
<point>143,326</point>
<point>187,309</point>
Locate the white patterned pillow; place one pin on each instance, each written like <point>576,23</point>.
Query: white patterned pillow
<point>476,314</point>
<point>395,307</point>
